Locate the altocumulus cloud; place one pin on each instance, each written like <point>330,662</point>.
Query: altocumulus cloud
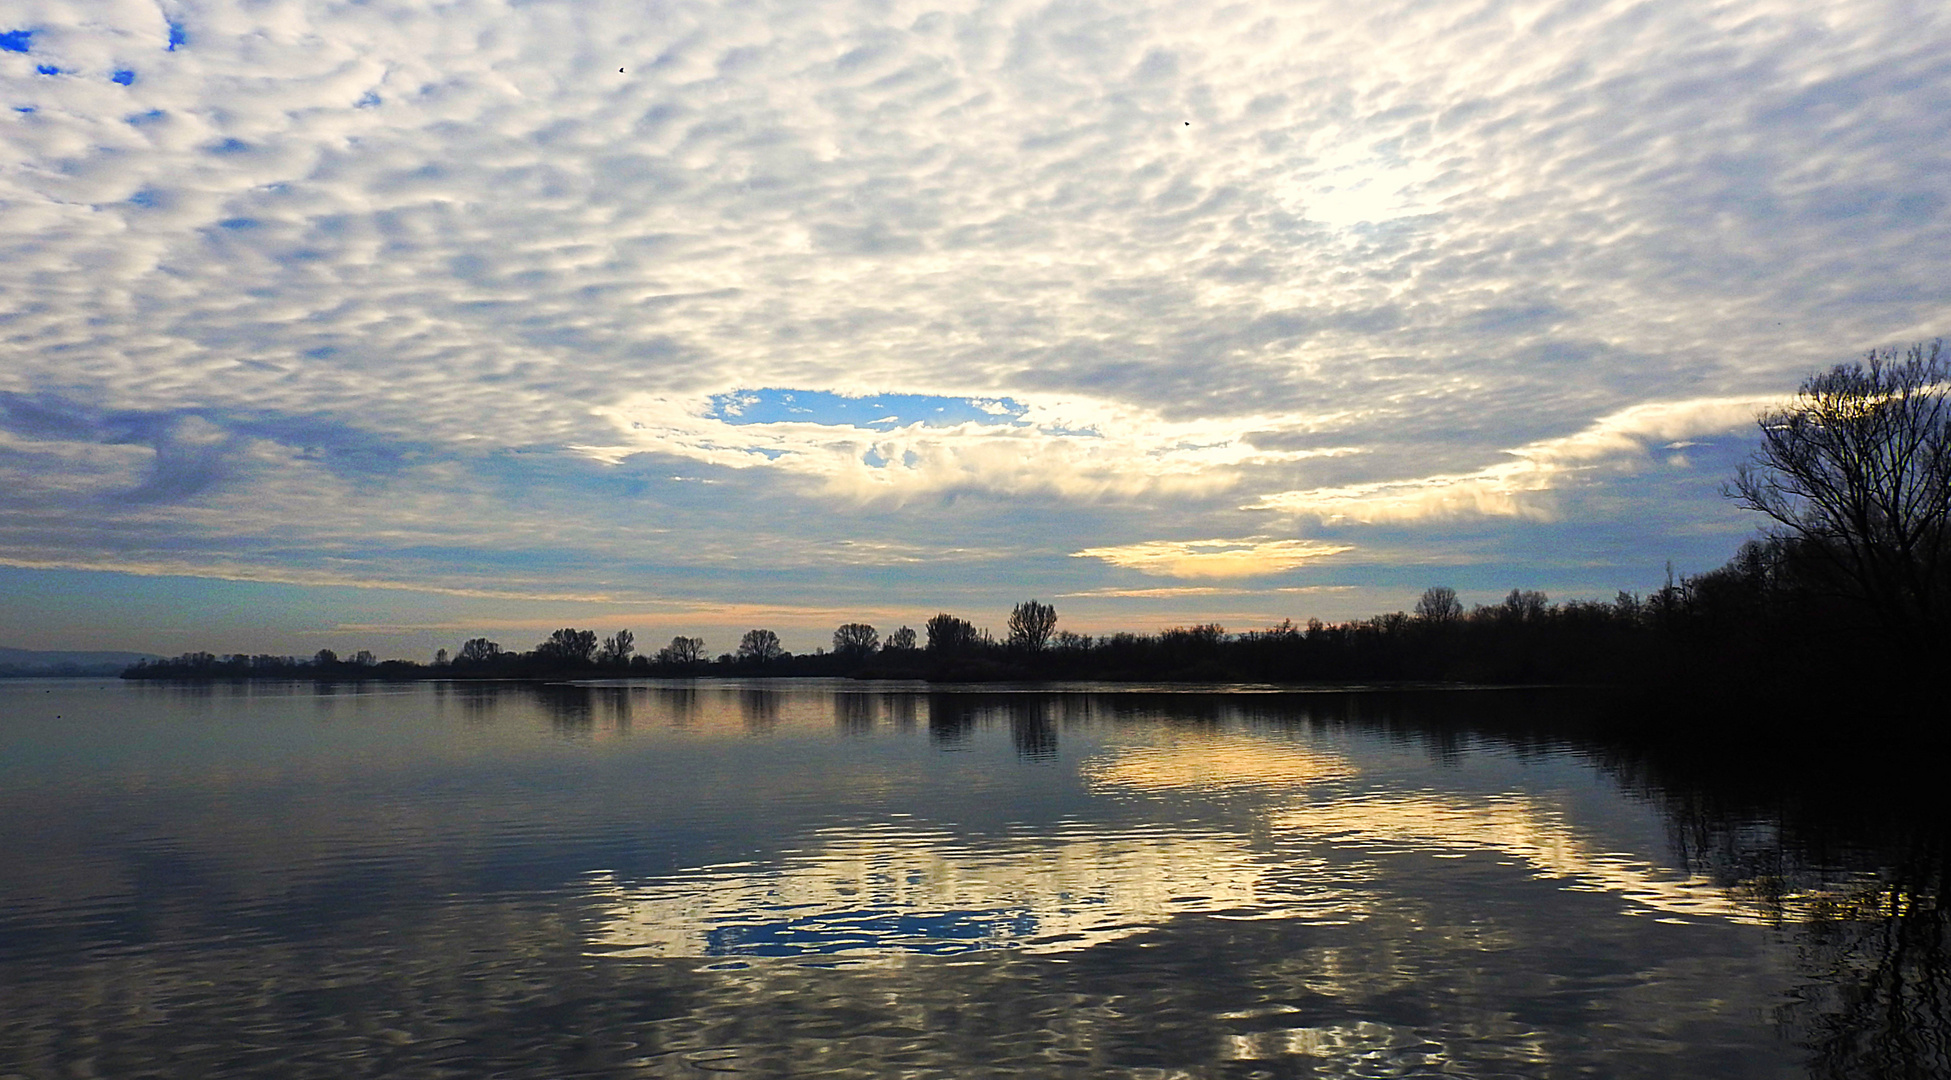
<point>436,295</point>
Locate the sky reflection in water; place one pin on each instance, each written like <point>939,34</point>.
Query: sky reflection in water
<point>654,880</point>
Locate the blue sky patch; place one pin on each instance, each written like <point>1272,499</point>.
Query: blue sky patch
<point>48,69</point>
<point>144,198</point>
<point>884,411</point>
<point>16,41</point>
<point>177,36</point>
<point>123,77</point>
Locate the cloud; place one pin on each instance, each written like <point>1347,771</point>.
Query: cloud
<point>1076,449</point>
<point>1252,557</point>
<point>397,292</point>
<point>1522,487</point>
<point>1177,591</point>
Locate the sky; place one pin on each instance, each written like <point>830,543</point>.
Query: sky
<point>386,325</point>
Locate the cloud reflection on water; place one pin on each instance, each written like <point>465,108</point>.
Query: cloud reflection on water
<point>904,889</point>
<point>1520,827</point>
<point>400,882</point>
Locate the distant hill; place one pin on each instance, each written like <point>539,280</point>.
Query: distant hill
<point>30,663</point>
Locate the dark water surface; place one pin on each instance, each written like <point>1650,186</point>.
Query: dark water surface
<point>658,879</point>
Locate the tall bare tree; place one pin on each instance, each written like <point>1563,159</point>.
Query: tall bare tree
<point>682,651</point>
<point>948,634</point>
<point>1855,473</point>
<point>1030,625</point>
<point>569,645</point>
<point>856,640</point>
<point>760,646</point>
<point>1439,604</point>
<point>618,647</point>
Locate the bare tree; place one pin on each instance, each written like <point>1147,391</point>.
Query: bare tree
<point>1523,605</point>
<point>856,640</point>
<point>1070,641</point>
<point>618,647</point>
<point>948,634</point>
<point>1439,605</point>
<point>1030,625</point>
<point>682,651</point>
<point>901,640</point>
<point>760,646</point>
<point>478,651</point>
<point>1855,473</point>
<point>569,645</point>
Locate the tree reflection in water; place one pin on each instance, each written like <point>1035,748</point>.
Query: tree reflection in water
<point>951,717</point>
<point>759,706</point>
<point>678,703</point>
<point>1030,728</point>
<point>853,714</point>
<point>900,710</point>
<point>1882,996</point>
<point>1839,842</point>
<point>1849,856</point>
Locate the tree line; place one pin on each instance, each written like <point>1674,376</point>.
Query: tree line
<point>1848,580</point>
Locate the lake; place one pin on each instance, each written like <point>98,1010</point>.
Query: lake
<point>664,879</point>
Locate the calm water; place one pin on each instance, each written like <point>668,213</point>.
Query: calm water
<point>661,880</point>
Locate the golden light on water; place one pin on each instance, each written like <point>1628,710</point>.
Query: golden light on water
<point>1214,763</point>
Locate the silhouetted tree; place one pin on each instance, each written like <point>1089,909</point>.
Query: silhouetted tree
<point>948,634</point>
<point>856,641</point>
<point>569,645</point>
<point>618,647</point>
<point>1856,472</point>
<point>759,646</point>
<point>1202,638</point>
<point>364,658</point>
<point>1439,605</point>
<point>901,640</point>
<point>325,658</point>
<point>1030,625</point>
<point>1068,641</point>
<point>478,651</point>
<point>440,657</point>
<point>682,651</point>
<point>1523,606</point>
